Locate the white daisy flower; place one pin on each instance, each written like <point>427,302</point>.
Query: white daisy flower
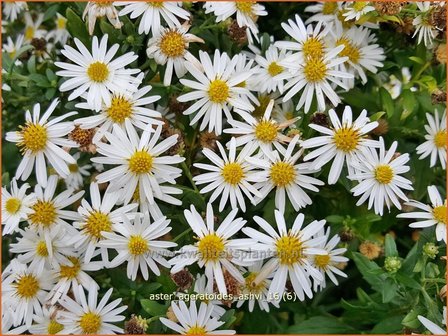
<point>139,162</point>
<point>214,250</point>
<point>194,321</point>
<point>25,292</point>
<point>8,321</point>
<point>284,112</point>
<point>12,9</point>
<point>71,274</point>
<point>217,90</point>
<point>39,140</point>
<point>423,26</point>
<point>60,34</point>
<point>290,251</point>
<point>152,13</point>
<point>85,315</point>
<point>280,171</point>
<point>98,217</point>
<point>434,214</point>
<point>96,73</point>
<point>256,291</point>
<point>47,323</point>
<point>247,13</point>
<point>379,177</point>
<point>32,27</point>
<point>16,206</point>
<point>326,263</point>
<point>261,133</point>
<point>245,64</point>
<point>200,287</point>
<point>75,179</point>
<point>342,142</point>
<point>99,9</point>
<point>354,10</point>
<point>123,106</point>
<point>270,68</point>
<point>47,210</point>
<point>12,47</point>
<point>325,11</point>
<point>435,144</point>
<point>32,247</point>
<point>431,326</point>
<point>362,52</point>
<point>137,245</point>
<point>170,47</point>
<point>230,176</point>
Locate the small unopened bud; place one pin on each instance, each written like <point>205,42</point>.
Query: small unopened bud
<point>430,250</point>
<point>392,264</point>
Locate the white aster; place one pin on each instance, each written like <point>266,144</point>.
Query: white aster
<point>379,177</point>
<point>32,27</point>
<point>270,68</point>
<point>325,11</point>
<point>60,33</point>
<point>435,144</point>
<point>40,140</point>
<point>12,9</point>
<point>47,322</point>
<point>99,9</point>
<point>75,179</point>
<point>354,10</point>
<point>423,27</point>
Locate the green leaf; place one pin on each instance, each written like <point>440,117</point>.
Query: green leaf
<point>377,116</point>
<point>406,280</point>
<point>77,27</point>
<point>334,219</point>
<point>390,325</point>
<point>153,308</point>
<point>389,290</point>
<point>411,320</point>
<point>387,102</point>
<point>417,60</point>
<point>229,318</point>
<point>108,29</point>
<point>50,13</point>
<point>370,271</point>
<point>409,101</point>
<point>321,325</point>
<point>390,247</point>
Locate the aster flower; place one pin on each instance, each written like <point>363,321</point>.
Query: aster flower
<point>194,321</point>
<point>280,171</point>
<point>435,144</point>
<point>12,47</point>
<point>12,9</point>
<point>97,73</point>
<point>139,162</point>
<point>16,206</point>
<point>136,244</point>
<point>85,315</point>
<point>152,12</point>
<point>423,27</point>
<point>325,11</point>
<point>216,91</point>
<point>354,10</point>
<point>270,68</point>
<point>75,179</point>
<point>39,140</point>
<point>214,250</point>
<point>47,323</point>
<point>60,33</point>
<point>170,47</point>
<point>99,9</point>
<point>379,177</point>
<point>201,288</point>
<point>32,27</point>
<point>342,142</point>
<point>230,176</point>
<point>434,214</point>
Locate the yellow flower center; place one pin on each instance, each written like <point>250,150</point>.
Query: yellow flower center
<point>282,174</point>
<point>140,162</point>
<point>157,4</point>
<point>346,139</point>
<point>232,173</point>
<point>384,174</point>
<point>211,247</point>
<point>313,48</point>
<point>289,250</point>
<point>196,330</point>
<point>315,70</point>
<point>44,213</point>
<point>322,260</point>
<point>245,6</point>
<point>29,33</point>
<point>34,137</point>
<point>54,327</point>
<point>90,323</point>
<point>41,249</point>
<point>98,72</point>
<point>137,245</point>
<point>264,102</point>
<point>172,44</point>
<point>61,22</point>
<point>252,286</point>
<point>13,205</point>
<point>97,222</point>
<point>440,139</point>
<point>349,50</point>
<point>119,109</point>
<point>103,3</point>
<point>439,213</point>
<point>329,8</point>
<point>70,272</point>
<point>73,168</point>
<point>266,131</point>
<point>274,69</point>
<point>136,194</point>
<point>218,91</point>
<point>359,5</point>
<point>27,286</point>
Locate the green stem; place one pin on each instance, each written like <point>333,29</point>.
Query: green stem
<point>189,176</point>
<point>181,235</point>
